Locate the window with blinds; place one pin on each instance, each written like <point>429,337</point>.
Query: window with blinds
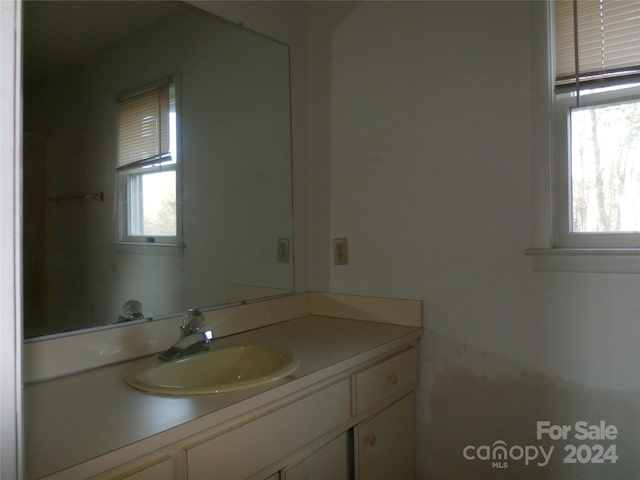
<point>147,165</point>
<point>597,43</point>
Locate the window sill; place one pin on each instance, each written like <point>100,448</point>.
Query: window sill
<point>167,250</point>
<point>593,260</point>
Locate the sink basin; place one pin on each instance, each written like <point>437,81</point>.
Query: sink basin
<point>218,370</point>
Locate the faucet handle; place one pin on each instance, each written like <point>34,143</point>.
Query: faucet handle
<point>191,322</point>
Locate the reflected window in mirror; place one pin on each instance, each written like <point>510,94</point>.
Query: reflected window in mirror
<point>148,165</point>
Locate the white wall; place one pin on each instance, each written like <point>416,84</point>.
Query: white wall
<point>431,132</point>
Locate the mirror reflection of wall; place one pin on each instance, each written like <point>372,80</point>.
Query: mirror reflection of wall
<point>233,176</point>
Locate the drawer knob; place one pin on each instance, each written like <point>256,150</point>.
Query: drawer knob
<point>370,439</point>
<point>392,378</point>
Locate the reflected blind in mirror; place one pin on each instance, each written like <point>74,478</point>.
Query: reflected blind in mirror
<point>143,127</point>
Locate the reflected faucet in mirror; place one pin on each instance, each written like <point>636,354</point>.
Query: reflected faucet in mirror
<point>132,310</point>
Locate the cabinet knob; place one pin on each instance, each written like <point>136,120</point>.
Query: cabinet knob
<point>392,378</point>
<point>370,439</point>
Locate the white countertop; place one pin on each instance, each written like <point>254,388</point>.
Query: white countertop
<point>79,417</point>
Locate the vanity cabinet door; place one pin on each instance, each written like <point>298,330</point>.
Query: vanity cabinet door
<point>331,462</point>
<point>253,446</point>
<point>385,444</point>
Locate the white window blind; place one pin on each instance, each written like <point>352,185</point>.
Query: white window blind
<point>607,48</point>
<point>143,127</point>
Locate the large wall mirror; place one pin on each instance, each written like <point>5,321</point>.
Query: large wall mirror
<point>200,214</point>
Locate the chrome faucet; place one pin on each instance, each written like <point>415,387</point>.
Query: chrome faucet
<point>192,340</point>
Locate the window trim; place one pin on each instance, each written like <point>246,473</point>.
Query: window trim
<point>585,260</point>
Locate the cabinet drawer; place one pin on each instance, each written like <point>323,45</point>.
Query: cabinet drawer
<point>257,444</point>
<point>385,380</point>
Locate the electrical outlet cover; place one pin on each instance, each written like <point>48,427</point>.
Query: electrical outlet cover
<point>340,251</point>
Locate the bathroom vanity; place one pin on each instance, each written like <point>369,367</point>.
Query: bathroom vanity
<point>346,411</point>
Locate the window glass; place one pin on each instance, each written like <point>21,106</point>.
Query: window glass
<point>153,204</point>
<point>605,167</point>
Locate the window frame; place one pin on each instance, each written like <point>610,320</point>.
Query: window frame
<point>124,175</point>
